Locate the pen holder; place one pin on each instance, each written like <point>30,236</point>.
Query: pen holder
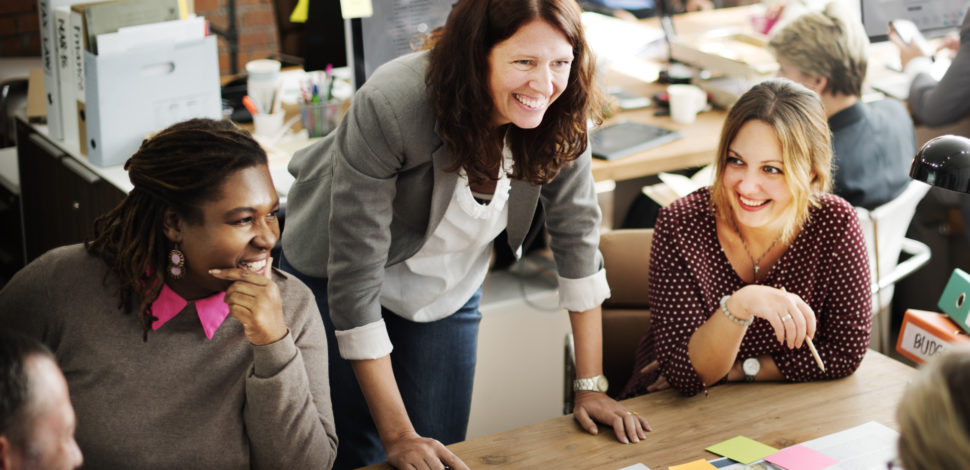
<point>320,118</point>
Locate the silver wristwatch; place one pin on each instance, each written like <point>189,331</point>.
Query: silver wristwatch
<point>597,383</point>
<point>751,366</point>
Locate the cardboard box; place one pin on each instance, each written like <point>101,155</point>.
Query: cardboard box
<point>132,94</point>
<point>954,301</point>
<point>927,334</point>
<point>36,94</point>
<point>726,52</point>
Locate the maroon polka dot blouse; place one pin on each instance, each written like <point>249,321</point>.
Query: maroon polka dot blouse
<point>826,265</point>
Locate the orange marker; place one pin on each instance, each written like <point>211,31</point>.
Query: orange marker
<point>250,106</point>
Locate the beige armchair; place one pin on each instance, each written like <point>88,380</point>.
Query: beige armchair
<point>626,315</point>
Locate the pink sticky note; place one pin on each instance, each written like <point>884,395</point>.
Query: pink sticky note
<point>799,457</point>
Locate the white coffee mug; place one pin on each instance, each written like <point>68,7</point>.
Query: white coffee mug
<point>685,102</point>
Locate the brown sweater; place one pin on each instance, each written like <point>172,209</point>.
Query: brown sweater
<point>179,400</point>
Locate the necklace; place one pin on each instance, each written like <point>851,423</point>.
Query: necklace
<point>754,262</point>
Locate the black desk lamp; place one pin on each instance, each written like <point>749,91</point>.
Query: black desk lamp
<point>945,162</point>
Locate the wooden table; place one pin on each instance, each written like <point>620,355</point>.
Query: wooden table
<point>777,414</point>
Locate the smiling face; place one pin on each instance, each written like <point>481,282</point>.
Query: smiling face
<point>529,70</point>
<point>236,230</point>
<point>754,178</point>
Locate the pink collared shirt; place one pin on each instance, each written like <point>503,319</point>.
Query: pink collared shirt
<point>212,310</point>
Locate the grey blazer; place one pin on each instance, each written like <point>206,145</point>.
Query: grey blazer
<point>372,192</point>
<point>937,104</point>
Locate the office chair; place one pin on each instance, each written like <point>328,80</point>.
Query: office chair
<point>884,229</point>
<point>13,96</point>
<point>626,315</point>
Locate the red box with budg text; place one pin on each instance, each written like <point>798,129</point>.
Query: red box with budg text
<point>927,334</point>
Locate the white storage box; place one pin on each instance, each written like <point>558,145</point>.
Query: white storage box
<point>132,94</point>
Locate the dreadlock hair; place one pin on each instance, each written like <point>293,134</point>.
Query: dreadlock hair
<point>180,168</point>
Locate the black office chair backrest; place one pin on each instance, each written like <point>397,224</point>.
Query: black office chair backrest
<point>13,97</point>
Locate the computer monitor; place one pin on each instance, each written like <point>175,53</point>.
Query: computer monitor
<point>933,17</point>
<point>395,29</point>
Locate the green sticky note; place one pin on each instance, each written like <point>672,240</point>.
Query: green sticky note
<point>699,464</point>
<point>742,449</point>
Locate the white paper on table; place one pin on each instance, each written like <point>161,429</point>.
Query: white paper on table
<point>865,447</point>
<point>636,466</point>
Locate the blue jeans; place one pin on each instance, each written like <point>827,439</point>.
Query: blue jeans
<point>434,365</point>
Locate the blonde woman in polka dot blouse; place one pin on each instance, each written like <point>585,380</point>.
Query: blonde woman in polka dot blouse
<point>743,272</point>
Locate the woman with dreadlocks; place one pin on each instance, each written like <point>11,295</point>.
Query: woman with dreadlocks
<point>182,346</point>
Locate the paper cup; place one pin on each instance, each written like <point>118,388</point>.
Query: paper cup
<point>268,125</point>
<point>685,102</point>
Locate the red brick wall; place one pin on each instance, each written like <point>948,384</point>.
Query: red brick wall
<point>256,25</point>
<point>19,28</point>
<point>255,21</point>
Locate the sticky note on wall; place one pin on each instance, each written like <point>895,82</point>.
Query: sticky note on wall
<point>356,9</point>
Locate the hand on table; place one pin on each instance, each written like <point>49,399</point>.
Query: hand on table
<point>792,319</point>
<point>254,300</point>
<point>411,451</point>
<point>595,406</point>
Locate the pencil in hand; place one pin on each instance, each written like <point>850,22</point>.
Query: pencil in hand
<point>811,347</point>
<point>818,359</point>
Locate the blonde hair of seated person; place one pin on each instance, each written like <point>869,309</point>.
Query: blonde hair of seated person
<point>934,415</point>
<point>797,117</point>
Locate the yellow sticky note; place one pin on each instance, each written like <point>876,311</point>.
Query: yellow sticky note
<point>300,12</point>
<point>183,10</point>
<point>742,449</point>
<point>699,464</point>
<point>356,9</point>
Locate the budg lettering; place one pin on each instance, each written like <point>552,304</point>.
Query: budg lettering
<point>928,345</point>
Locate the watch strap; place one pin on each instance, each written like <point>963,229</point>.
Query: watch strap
<point>590,384</point>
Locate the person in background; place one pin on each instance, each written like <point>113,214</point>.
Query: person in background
<point>938,103</point>
<point>182,346</point>
<point>392,216</point>
<point>36,416</point>
<point>742,273</point>
<point>635,9</point>
<point>934,414</point>
<point>873,143</point>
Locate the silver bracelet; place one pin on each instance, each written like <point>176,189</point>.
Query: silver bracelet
<point>732,317</point>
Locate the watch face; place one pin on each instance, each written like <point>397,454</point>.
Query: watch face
<point>751,366</point>
<point>602,384</point>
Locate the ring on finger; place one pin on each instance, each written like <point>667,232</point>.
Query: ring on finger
<point>786,317</point>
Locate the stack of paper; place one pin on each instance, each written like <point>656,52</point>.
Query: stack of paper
<point>674,186</point>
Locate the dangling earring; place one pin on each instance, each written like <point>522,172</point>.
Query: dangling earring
<point>176,263</point>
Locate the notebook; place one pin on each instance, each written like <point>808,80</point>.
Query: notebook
<point>626,138</point>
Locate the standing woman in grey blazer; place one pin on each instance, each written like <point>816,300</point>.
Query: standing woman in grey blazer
<point>392,218</point>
